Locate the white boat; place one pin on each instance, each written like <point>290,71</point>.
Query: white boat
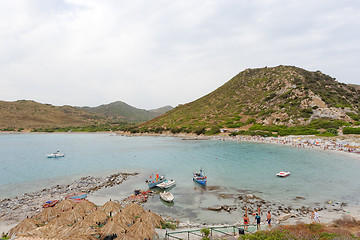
<point>167,196</point>
<point>166,184</point>
<point>55,155</point>
<point>283,174</point>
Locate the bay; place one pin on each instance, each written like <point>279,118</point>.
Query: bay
<point>317,176</point>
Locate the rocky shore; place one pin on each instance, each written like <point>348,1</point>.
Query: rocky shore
<point>251,204</point>
<point>18,208</point>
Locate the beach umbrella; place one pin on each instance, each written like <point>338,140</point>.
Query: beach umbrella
<point>127,236</point>
<point>53,230</point>
<point>97,216</point>
<point>111,207</point>
<point>47,214</point>
<point>133,209</point>
<point>142,230</point>
<point>82,228</point>
<point>110,229</point>
<point>65,205</point>
<point>82,237</point>
<point>152,218</point>
<point>123,218</point>
<point>86,206</point>
<point>23,227</point>
<point>73,215</point>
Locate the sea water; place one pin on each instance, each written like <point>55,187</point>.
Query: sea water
<point>317,176</point>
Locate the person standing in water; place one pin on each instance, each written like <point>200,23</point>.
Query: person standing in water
<point>246,221</point>
<point>257,218</point>
<point>268,217</point>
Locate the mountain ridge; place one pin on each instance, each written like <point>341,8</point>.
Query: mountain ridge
<point>30,114</point>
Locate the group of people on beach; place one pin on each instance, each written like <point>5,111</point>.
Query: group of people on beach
<point>257,219</point>
<point>299,142</point>
<point>314,217</point>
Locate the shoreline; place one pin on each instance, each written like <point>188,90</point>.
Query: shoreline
<point>344,144</point>
<point>232,204</point>
<point>15,209</point>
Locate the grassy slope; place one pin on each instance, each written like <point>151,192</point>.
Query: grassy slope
<point>282,95</point>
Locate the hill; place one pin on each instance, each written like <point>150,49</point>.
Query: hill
<point>120,111</point>
<point>30,114</point>
<point>266,99</point>
<point>46,117</point>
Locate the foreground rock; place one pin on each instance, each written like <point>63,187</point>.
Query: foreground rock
<point>18,208</point>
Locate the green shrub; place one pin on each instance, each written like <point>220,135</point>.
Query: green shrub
<point>273,235</point>
<point>354,116</point>
<point>349,130</point>
<point>332,131</point>
<point>250,121</point>
<point>205,232</point>
<point>200,131</point>
<point>168,225</point>
<point>214,130</point>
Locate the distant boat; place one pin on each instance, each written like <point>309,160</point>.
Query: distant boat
<point>283,174</point>
<point>167,196</point>
<point>166,184</point>
<point>155,180</point>
<point>200,178</point>
<point>55,155</point>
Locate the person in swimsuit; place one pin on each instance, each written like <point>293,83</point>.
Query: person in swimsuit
<point>268,217</point>
<point>257,218</point>
<point>246,221</point>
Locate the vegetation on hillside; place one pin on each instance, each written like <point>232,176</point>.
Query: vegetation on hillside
<point>345,228</point>
<point>20,115</point>
<point>269,101</point>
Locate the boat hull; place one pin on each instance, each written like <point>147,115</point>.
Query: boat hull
<point>58,155</point>
<point>166,184</point>
<point>152,183</point>
<point>167,196</point>
<point>200,181</point>
<point>283,174</point>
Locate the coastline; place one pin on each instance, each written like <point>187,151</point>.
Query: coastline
<point>13,210</point>
<point>232,205</point>
<point>344,144</point>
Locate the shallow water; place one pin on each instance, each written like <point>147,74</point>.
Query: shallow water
<point>315,175</point>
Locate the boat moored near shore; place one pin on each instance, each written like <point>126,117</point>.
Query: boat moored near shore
<point>283,174</point>
<point>57,154</point>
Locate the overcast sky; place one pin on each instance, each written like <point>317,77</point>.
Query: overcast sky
<point>152,53</point>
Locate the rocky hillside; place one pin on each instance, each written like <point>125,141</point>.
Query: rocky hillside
<point>284,96</point>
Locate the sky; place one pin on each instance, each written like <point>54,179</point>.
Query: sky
<point>152,53</point>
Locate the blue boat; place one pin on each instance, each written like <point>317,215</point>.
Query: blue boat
<point>200,178</point>
<point>154,180</point>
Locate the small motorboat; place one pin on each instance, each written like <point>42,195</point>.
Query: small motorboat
<point>200,178</point>
<point>155,180</point>
<point>166,184</point>
<point>283,174</point>
<point>55,155</point>
<point>167,196</point>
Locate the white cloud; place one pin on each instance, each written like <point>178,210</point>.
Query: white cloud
<point>154,53</point>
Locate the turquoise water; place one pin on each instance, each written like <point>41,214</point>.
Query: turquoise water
<point>315,175</point>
